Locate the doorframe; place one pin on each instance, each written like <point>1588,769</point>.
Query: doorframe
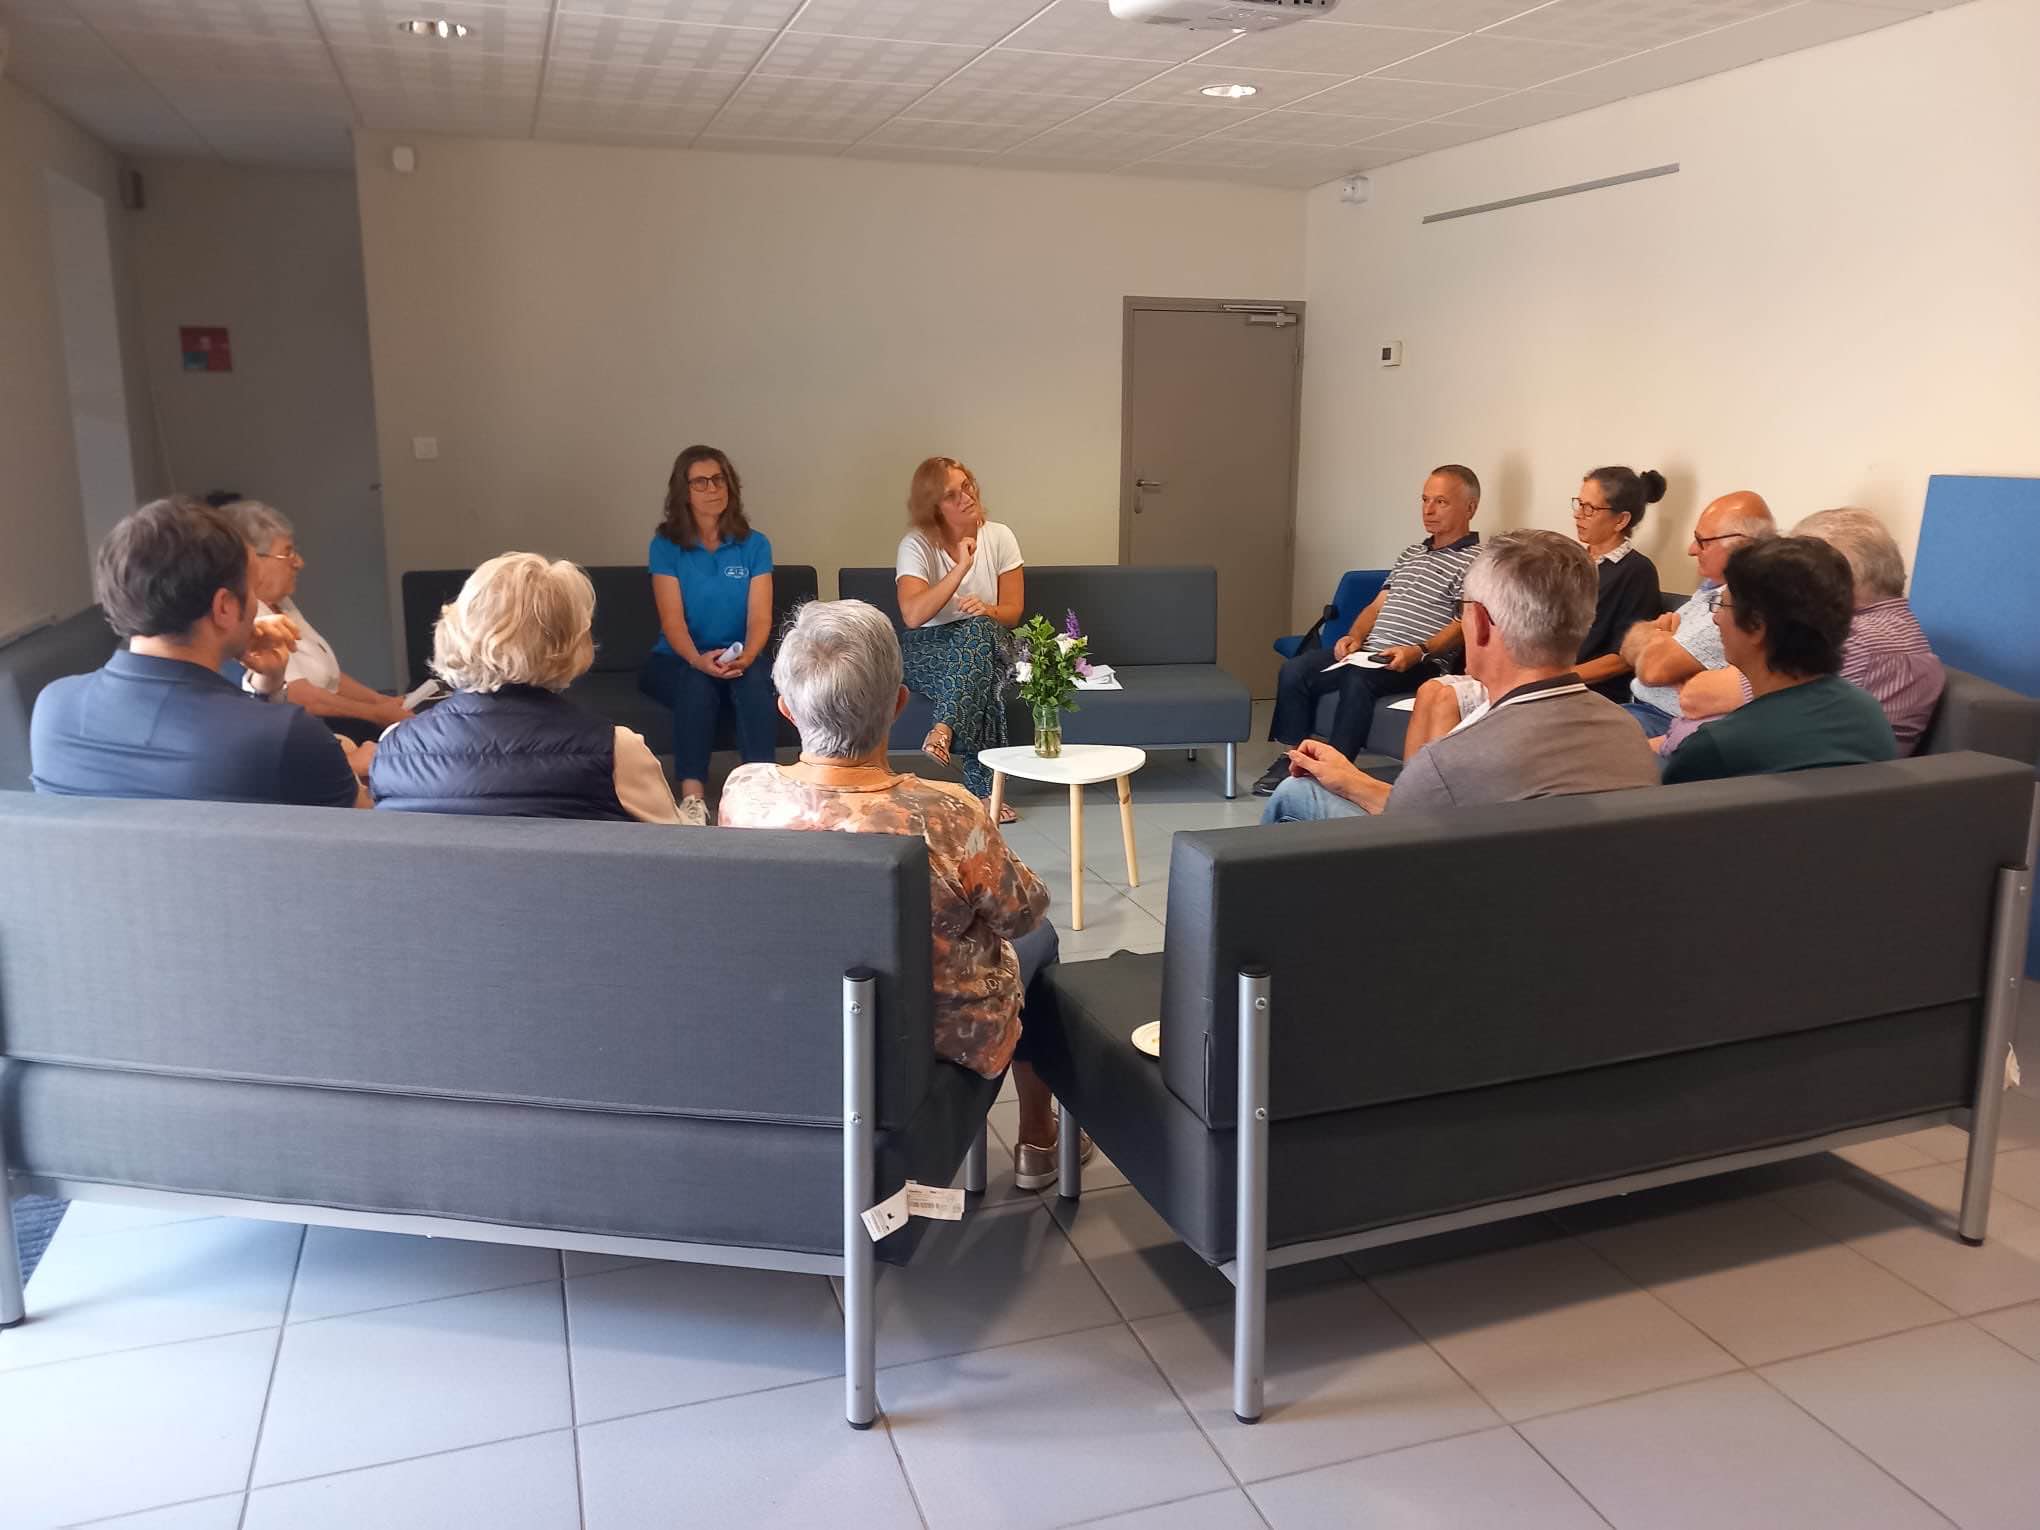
<point>1133,305</point>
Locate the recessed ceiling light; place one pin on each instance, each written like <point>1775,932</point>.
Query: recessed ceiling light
<point>1230,92</point>
<point>433,26</point>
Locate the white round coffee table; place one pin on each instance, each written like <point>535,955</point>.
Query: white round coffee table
<point>1078,766</point>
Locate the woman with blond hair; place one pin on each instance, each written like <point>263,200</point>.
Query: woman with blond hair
<point>961,584</point>
<point>506,742</point>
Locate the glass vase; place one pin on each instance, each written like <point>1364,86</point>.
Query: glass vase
<point>1047,731</point>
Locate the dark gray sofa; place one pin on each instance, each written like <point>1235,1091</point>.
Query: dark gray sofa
<point>626,627</point>
<point>1156,627</point>
<point>565,1062</point>
<point>30,662</point>
<point>1813,959</point>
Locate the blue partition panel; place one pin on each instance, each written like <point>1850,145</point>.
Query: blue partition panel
<point>1976,588</point>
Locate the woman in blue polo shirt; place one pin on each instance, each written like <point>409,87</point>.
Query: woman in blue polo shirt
<point>712,580</point>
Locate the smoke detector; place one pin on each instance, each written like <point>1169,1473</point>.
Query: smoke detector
<point>1221,15</point>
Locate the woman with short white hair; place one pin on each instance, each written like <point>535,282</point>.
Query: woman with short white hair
<point>839,680</point>
<point>506,742</point>
<point>314,679</point>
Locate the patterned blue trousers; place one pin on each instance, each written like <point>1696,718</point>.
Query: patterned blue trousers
<point>962,668</point>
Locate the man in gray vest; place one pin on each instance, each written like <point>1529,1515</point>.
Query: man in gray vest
<point>1528,602</point>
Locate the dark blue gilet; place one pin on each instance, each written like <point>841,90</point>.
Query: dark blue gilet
<point>521,752</point>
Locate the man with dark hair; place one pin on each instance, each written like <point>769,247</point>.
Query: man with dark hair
<point>1402,639</point>
<point>1783,617</point>
<point>158,719</point>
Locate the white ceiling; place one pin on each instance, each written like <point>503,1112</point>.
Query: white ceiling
<point>1033,84</point>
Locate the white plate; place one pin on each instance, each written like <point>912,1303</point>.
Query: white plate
<point>1148,1038</point>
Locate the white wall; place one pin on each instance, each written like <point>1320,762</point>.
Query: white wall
<point>1837,296</point>
<point>275,256</point>
<point>564,319</point>
<point>95,370</point>
<point>44,568</point>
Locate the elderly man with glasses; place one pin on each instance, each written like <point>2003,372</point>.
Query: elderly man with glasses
<point>1528,602</point>
<point>1668,652</point>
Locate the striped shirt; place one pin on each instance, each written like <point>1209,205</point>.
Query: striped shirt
<point>1888,655</point>
<point>1422,592</point>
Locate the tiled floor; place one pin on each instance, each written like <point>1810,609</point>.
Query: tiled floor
<point>1802,1346</point>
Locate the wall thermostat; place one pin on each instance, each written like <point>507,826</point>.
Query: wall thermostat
<point>1391,353</point>
<point>403,159</point>
<point>1355,189</point>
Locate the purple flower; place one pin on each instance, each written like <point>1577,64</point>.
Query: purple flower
<point>1084,668</point>
<point>1071,628</point>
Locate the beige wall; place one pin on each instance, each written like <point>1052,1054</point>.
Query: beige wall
<point>44,571</point>
<point>1837,296</point>
<point>564,319</point>
<point>275,256</point>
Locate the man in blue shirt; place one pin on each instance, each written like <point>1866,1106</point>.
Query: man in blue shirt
<point>158,719</point>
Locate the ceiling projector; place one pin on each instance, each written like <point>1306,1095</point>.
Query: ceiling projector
<point>1221,15</point>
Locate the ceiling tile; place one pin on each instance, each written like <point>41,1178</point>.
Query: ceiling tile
<point>772,14</point>
<point>278,20</point>
<point>289,140</point>
<point>977,22</point>
<point>1074,142</point>
<point>982,137</point>
<point>476,115</point>
<point>873,149</point>
<point>963,103</point>
<point>637,119</point>
<point>822,56</point>
<point>188,56</point>
<point>373,24</point>
<point>803,146</point>
<point>46,51</point>
<point>1439,15</point>
<point>1630,24</point>
<point>1509,62</point>
<point>1152,117</point>
<point>1422,137</point>
<point>1405,100</point>
<point>1271,88</point>
<point>1051,163</point>
<point>820,111</point>
<point>646,87</point>
<point>1086,26</point>
<point>127,115</point>
<point>1058,74</point>
<point>625,45</point>
<point>1803,26</point>
<point>425,77</point>
<point>1523,109</point>
<point>1304,129</point>
<point>1323,47</point>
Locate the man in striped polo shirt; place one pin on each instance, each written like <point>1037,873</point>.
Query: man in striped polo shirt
<point>1410,629</point>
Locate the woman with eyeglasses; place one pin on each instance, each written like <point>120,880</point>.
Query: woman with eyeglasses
<point>1606,514</point>
<point>314,679</point>
<point>712,582</point>
<point>961,583</point>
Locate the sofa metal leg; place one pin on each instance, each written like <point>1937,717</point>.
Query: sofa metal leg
<point>1232,771</point>
<point>1069,1154</point>
<point>860,1328</point>
<point>1193,755</point>
<point>2000,1017</point>
<point>12,1308</point>
<point>975,1162</point>
<point>1250,1228</point>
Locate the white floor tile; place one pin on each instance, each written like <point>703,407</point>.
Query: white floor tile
<point>997,1277</point>
<point>1938,1144</point>
<point>223,1513</point>
<point>1147,1270</point>
<point>664,1334</point>
<point>407,1381</point>
<point>1761,1282</point>
<point>1725,1452</point>
<point>153,1285</point>
<point>2017,1326</point>
<point>1111,923</point>
<point>1041,1434</point>
<point>1460,1243</point>
<point>1949,1411</point>
<point>1229,1510</point>
<point>773,1461</point>
<point>576,1262</point>
<point>1476,1481</point>
<point>1152,896</point>
<point>347,1270</point>
<point>178,1421</point>
<point>516,1485</point>
<point>1918,1244</point>
<point>2019,1124</point>
<point>2018,1175</point>
<point>1550,1326</point>
<point>1345,1378</point>
<point>1887,1155</point>
<point>88,1219</point>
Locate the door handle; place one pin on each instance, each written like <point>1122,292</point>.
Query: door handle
<point>1140,484</point>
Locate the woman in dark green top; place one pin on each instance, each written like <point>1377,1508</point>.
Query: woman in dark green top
<point>1783,617</point>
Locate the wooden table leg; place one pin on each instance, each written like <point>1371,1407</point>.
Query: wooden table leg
<point>1126,830</point>
<point>998,796</point>
<point>1076,857</point>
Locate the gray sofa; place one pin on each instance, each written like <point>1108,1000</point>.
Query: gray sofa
<point>626,627</point>
<point>565,1062</point>
<point>1156,627</point>
<point>1812,960</point>
<point>30,662</point>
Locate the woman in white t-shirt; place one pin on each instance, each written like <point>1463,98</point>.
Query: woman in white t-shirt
<point>314,679</point>
<point>961,586</point>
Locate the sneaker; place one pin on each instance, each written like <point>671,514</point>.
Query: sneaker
<point>1034,1167</point>
<point>694,812</point>
<point>1273,776</point>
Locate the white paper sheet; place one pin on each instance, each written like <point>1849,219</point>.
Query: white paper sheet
<point>1357,659</point>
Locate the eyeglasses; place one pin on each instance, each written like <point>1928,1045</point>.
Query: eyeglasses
<point>1581,507</point>
<point>1477,606</point>
<point>711,482</point>
<point>293,557</point>
<point>1718,600</point>
<point>963,493</point>
<point>1700,541</point>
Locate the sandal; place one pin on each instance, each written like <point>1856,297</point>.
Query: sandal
<point>936,744</point>
<point>1007,814</point>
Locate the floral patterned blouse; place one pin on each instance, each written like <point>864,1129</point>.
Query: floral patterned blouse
<point>980,894</point>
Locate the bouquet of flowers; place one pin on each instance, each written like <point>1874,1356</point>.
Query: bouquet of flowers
<point>1048,676</point>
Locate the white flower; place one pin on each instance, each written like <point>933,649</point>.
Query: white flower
<point>1066,643</point>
